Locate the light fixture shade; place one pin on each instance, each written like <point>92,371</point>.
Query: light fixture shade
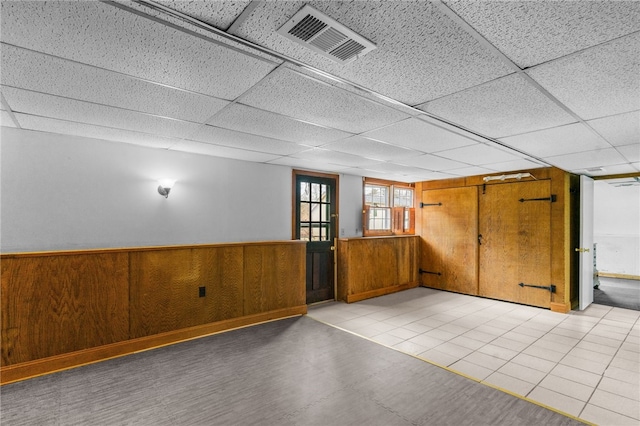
<point>165,186</point>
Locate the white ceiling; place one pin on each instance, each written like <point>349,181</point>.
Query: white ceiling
<point>454,88</point>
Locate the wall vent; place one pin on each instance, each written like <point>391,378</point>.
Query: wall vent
<point>325,36</point>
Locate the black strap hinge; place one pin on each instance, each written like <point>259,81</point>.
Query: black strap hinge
<point>432,204</point>
<point>551,288</point>
<point>422,271</point>
<point>553,199</point>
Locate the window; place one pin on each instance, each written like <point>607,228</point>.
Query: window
<point>388,208</point>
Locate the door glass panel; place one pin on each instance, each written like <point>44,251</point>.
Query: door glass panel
<point>304,191</point>
<point>304,232</point>
<point>304,212</point>
<point>315,212</point>
<point>315,233</point>
<point>315,192</point>
<point>325,213</point>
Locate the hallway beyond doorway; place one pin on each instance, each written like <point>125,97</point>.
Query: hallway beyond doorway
<point>618,292</point>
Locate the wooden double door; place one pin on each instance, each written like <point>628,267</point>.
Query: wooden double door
<point>493,241</point>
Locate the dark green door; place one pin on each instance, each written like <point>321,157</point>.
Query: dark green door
<point>315,222</point>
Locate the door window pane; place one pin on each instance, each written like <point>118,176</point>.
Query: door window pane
<point>304,232</point>
<point>304,191</point>
<point>304,212</point>
<point>315,192</point>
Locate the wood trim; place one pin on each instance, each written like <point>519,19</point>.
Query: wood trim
<point>26,370</point>
<point>562,308</point>
<point>139,249</point>
<point>380,292</point>
<point>375,181</point>
<point>620,176</point>
<point>621,276</point>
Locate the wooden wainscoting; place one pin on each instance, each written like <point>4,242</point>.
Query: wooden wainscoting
<point>64,309</point>
<point>374,266</point>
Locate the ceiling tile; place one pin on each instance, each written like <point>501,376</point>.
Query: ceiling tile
<point>231,138</point>
<point>421,53</point>
<point>597,82</point>
<point>83,112</point>
<point>471,171</point>
<point>584,160</point>
<point>43,73</point>
<point>398,169</point>
<point>478,154</point>
<point>621,129</point>
<point>369,148</point>
<point>334,157</point>
<point>99,34</point>
<point>307,164</point>
<point>531,32</point>
<point>298,96</point>
<point>510,166</point>
<point>222,151</point>
<point>433,162</point>
<point>504,107</point>
<point>220,14</point>
<point>417,134</point>
<point>630,152</point>
<point>609,170</point>
<point>557,141</point>
<point>264,123</point>
<point>5,120</point>
<point>51,125</point>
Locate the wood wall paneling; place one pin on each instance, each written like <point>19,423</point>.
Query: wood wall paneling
<point>165,288</point>
<point>274,277</point>
<point>57,304</point>
<point>449,245</point>
<point>516,243</point>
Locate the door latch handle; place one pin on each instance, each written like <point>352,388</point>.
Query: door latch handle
<point>479,239</point>
<point>582,250</point>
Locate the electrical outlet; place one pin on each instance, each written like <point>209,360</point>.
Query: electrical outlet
<point>202,291</point>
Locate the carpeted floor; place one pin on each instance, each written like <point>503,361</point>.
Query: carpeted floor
<point>295,371</point>
<point>618,292</point>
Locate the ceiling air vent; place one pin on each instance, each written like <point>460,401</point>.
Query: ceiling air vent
<point>325,36</point>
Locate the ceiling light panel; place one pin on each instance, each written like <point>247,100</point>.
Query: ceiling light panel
<point>608,170</point>
<point>433,162</point>
<point>420,135</point>
<point>231,138</point>
<point>335,157</point>
<point>421,53</point>
<point>43,73</point>
<point>222,151</point>
<point>597,82</point>
<point>584,160</point>
<point>503,107</point>
<point>530,32</point>
<point>298,96</point>
<point>88,113</point>
<point>478,154</point>
<point>560,140</point>
<point>104,36</point>
<point>621,129</point>
<point>364,147</point>
<point>264,123</point>
<point>51,125</point>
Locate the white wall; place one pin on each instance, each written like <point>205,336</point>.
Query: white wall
<point>617,228</point>
<point>63,192</point>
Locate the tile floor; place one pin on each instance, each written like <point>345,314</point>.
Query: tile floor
<point>585,363</point>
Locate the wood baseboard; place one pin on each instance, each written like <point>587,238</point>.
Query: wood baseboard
<point>379,292</point>
<point>622,276</point>
<point>560,307</point>
<point>27,370</point>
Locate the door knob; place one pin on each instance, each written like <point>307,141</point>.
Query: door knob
<point>582,250</point>
<point>332,248</point>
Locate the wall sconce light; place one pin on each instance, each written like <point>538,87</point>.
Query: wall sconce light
<point>517,176</point>
<point>165,186</point>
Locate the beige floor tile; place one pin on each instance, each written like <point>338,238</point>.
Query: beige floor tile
<point>618,387</point>
<point>592,366</point>
<point>576,375</point>
<point>471,369</point>
<point>454,329</point>
<point>534,362</point>
<point>631,356</point>
<point>509,383</point>
<point>480,336</point>
<point>523,373</point>
<point>484,360</point>
<point>595,347</point>
<point>544,353</point>
<point>498,351</point>
<point>567,387</point>
<point>554,346</point>
<point>453,349</point>
<point>387,339</point>
<point>557,400</point>
<point>402,333</point>
<point>438,357</point>
<point>417,327</point>
<point>491,330</point>
<point>600,416</point>
<point>509,344</point>
<point>426,341</point>
<point>626,364</point>
<point>589,355</point>
<point>410,347</point>
<point>438,333</point>
<point>622,375</point>
<point>616,403</point>
<point>528,331</point>
<point>602,340</point>
<point>467,342</point>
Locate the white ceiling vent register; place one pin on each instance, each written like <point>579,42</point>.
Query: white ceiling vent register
<point>325,36</point>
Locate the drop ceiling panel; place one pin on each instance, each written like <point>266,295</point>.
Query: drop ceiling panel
<point>420,135</point>
<point>307,164</point>
<point>503,107</point>
<point>597,82</point>
<point>43,73</point>
<point>421,53</point>
<point>471,171</point>
<point>52,125</point>
<point>610,170</point>
<point>433,162</point>
<point>99,34</point>
<point>222,151</point>
<point>334,157</point>
<point>531,33</point>
<point>369,148</point>
<point>83,112</point>
<point>478,154</point>
<point>231,138</point>
<point>510,166</point>
<point>398,169</point>
<point>630,152</point>
<point>560,140</point>
<point>621,129</point>
<point>584,160</point>
<point>298,96</point>
<point>220,14</point>
<point>264,123</point>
